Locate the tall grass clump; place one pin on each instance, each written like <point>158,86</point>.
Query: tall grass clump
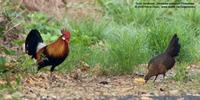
<point>192,19</point>
<point>124,12</point>
<point>126,49</point>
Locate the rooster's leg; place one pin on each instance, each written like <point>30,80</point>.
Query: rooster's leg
<point>39,67</point>
<point>51,74</point>
<point>51,79</point>
<point>155,78</point>
<point>42,64</point>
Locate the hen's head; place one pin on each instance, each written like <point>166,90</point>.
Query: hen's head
<point>65,35</point>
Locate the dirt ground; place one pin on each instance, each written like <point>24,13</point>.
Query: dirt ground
<point>86,86</point>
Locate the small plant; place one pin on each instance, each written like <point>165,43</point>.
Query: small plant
<point>181,72</point>
<point>2,64</point>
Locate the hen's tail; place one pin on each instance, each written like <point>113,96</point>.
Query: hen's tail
<point>174,46</point>
<point>32,41</point>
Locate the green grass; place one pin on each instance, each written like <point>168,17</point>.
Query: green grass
<point>181,72</point>
<point>124,12</point>
<point>123,38</point>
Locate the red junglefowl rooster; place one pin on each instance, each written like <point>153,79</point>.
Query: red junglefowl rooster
<point>165,61</point>
<point>47,55</point>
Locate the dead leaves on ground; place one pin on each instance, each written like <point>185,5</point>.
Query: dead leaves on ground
<point>2,82</point>
<point>83,70</point>
<point>139,81</point>
<point>66,86</point>
<point>80,83</point>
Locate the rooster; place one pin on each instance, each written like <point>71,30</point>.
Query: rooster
<point>165,61</point>
<point>47,55</point>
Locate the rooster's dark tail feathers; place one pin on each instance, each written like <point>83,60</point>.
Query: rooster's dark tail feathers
<point>32,41</point>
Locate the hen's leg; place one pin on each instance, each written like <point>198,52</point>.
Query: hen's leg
<point>155,78</point>
<point>164,76</point>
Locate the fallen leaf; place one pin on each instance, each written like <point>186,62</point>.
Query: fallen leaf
<point>29,81</point>
<point>7,97</point>
<point>2,82</point>
<point>139,81</point>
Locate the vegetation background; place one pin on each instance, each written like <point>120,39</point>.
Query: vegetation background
<point>109,35</point>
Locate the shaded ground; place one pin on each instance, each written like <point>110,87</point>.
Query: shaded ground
<point>85,86</point>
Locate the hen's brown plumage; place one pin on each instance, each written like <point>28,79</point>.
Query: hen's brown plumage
<point>165,61</point>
